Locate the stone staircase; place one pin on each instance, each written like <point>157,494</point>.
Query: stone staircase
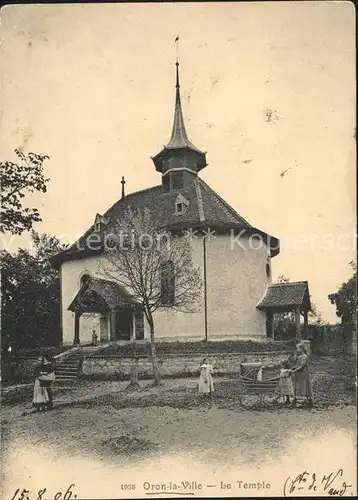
<point>69,366</point>
<point>68,369</point>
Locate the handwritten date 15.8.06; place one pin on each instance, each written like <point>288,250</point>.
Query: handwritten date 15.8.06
<point>332,484</point>
<point>44,494</point>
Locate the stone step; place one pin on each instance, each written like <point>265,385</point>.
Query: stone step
<point>72,356</point>
<point>66,372</point>
<point>59,369</point>
<point>70,365</point>
<point>67,367</point>
<point>70,360</point>
<point>74,362</point>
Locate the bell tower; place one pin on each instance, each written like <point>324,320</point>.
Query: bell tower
<point>179,161</point>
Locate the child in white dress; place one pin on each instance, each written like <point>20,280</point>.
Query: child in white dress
<point>206,384</point>
<point>285,383</point>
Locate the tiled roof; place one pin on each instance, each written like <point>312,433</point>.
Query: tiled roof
<point>285,295</point>
<point>107,293</point>
<point>216,209</point>
<point>206,209</point>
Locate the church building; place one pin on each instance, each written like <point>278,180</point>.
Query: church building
<point>235,260</point>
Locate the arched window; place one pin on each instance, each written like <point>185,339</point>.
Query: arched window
<point>84,279</point>
<point>167,280</point>
<point>268,271</point>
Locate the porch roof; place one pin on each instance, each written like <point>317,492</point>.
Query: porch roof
<point>285,296</point>
<point>99,295</point>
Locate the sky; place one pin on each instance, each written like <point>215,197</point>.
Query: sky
<point>268,90</point>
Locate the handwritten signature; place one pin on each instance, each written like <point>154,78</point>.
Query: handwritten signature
<point>43,494</point>
<point>332,484</point>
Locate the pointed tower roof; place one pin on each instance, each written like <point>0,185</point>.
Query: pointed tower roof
<point>179,138</point>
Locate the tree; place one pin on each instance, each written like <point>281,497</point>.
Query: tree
<point>345,299</point>
<point>154,265</point>
<point>18,179</point>
<point>315,316</point>
<point>31,295</point>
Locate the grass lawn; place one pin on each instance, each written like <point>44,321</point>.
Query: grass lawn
<point>115,427</point>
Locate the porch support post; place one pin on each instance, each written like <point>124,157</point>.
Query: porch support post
<point>298,324</point>
<point>272,326</point>
<point>305,322</point>
<point>132,332</point>
<point>269,324</point>
<point>76,340</point>
<point>113,332</point>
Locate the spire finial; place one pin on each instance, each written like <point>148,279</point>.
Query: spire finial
<point>123,183</point>
<point>177,85</point>
<point>176,41</point>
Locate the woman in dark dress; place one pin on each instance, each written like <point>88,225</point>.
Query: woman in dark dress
<point>302,380</point>
<point>47,378</point>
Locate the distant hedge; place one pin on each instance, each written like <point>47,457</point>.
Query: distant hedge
<point>199,347</point>
<point>39,351</point>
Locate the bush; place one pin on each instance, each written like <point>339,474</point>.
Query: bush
<point>17,371</point>
<point>19,395</point>
<point>18,367</point>
<point>326,340</point>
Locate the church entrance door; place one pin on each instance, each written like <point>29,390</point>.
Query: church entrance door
<point>124,324</point>
<point>103,328</point>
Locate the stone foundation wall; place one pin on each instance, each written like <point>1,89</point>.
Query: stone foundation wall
<point>172,366</point>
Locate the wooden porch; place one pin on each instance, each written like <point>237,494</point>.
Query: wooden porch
<point>287,297</point>
<point>119,312</point>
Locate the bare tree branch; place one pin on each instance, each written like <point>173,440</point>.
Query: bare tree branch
<point>137,257</point>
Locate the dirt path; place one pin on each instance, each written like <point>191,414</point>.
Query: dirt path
<point>107,430</point>
<point>169,417</point>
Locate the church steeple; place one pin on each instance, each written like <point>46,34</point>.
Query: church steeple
<point>179,154</point>
<point>179,136</point>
